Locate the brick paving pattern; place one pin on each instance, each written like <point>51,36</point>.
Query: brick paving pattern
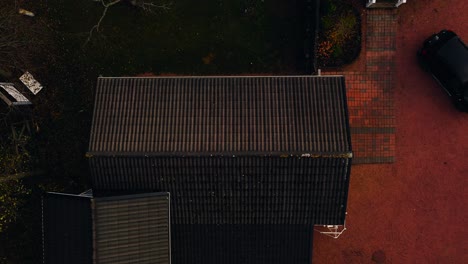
<point>370,90</point>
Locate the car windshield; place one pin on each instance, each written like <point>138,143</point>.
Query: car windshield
<point>455,55</point>
<point>465,94</point>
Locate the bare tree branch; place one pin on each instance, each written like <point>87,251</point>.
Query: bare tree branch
<point>104,12</point>
<point>147,5</point>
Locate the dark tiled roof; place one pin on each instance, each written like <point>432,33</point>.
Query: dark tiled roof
<point>251,162</point>
<point>67,229</point>
<point>234,190</point>
<point>237,150</point>
<point>82,229</point>
<point>246,244</point>
<point>220,115</point>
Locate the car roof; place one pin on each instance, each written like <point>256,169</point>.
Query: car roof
<point>455,55</point>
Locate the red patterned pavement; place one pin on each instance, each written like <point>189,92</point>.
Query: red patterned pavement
<point>412,210</point>
<point>370,84</point>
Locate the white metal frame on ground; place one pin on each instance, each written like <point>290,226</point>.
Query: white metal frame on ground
<point>334,231</point>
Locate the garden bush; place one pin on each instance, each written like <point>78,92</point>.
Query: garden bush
<point>339,40</point>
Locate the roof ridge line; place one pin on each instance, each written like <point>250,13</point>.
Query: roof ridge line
<point>344,154</point>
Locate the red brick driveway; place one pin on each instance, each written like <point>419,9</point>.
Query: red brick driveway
<point>414,210</point>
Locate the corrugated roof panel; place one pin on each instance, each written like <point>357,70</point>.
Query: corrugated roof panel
<point>246,244</point>
<point>132,229</point>
<point>234,190</point>
<point>291,114</point>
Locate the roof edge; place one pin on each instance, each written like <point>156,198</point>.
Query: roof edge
<point>66,195</point>
<point>345,154</point>
<point>131,196</point>
<point>220,76</point>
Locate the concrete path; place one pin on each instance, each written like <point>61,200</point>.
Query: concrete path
<point>370,83</point>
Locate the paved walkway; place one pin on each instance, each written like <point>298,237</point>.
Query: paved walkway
<point>370,83</point>
<point>412,210</point>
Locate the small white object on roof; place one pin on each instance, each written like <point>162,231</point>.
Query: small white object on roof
<point>33,85</point>
<point>11,96</point>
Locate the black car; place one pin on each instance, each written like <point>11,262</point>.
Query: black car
<point>445,56</point>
